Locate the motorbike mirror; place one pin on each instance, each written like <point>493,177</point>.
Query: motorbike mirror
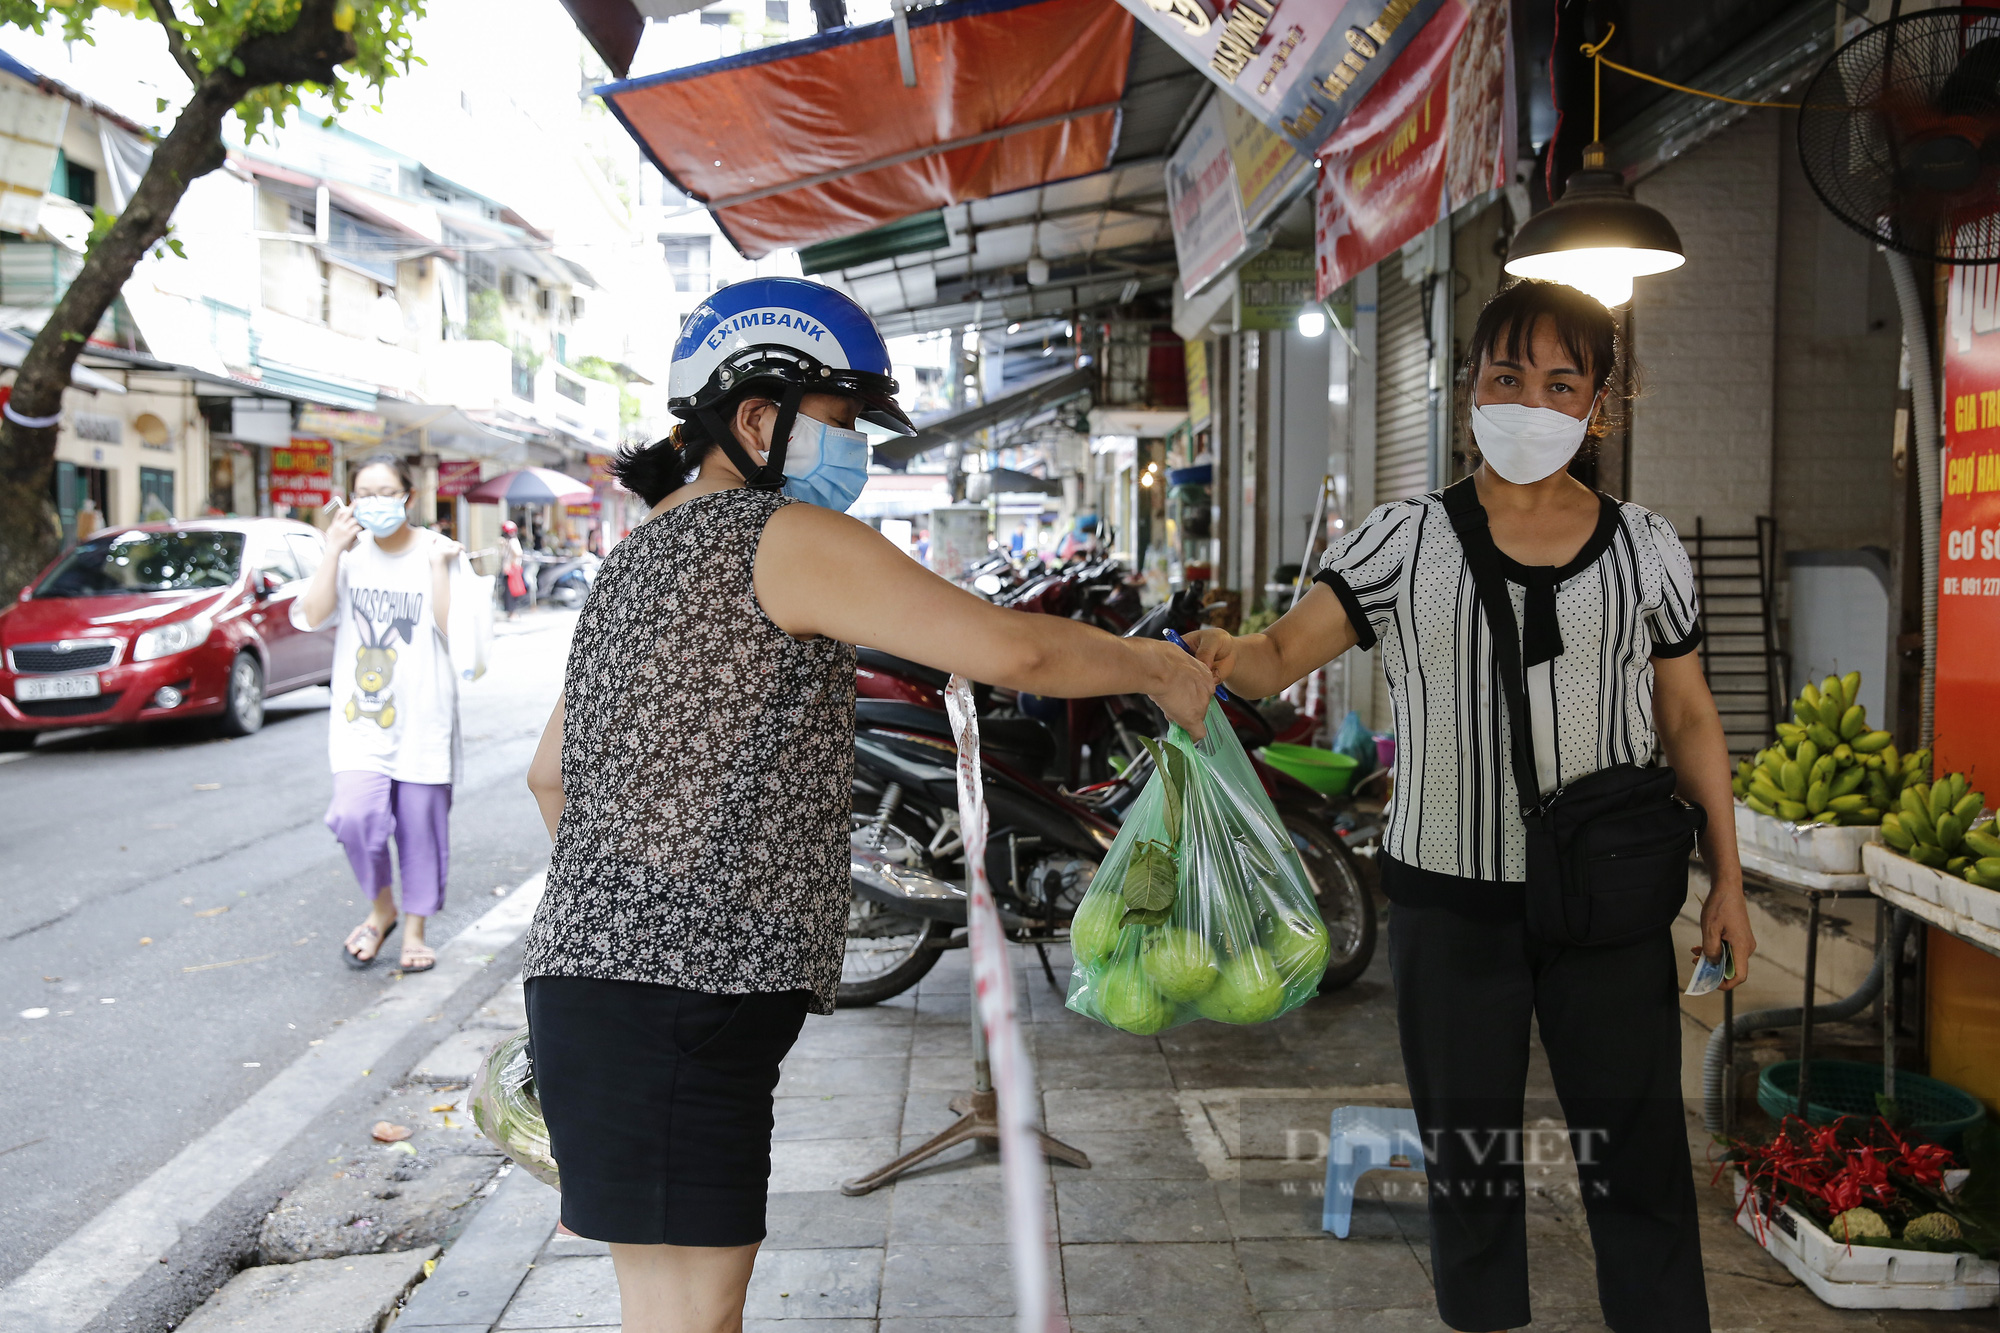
<point>265,583</point>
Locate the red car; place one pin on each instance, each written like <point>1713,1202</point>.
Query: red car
<point>162,620</point>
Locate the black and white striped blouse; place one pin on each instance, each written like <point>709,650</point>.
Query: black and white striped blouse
<point>1627,597</point>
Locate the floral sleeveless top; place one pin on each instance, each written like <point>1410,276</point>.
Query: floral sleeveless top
<point>707,764</point>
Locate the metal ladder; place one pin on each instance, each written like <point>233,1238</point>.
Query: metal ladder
<point>1735,579</point>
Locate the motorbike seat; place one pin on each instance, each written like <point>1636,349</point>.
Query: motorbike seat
<point>877,660</point>
<point>1020,739</point>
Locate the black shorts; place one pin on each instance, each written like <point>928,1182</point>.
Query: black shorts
<point>658,1102</point>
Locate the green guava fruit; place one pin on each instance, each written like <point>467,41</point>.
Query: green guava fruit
<point>1179,963</point>
<point>1131,1004</point>
<point>1249,990</point>
<point>1093,933</point>
<point>1299,947</point>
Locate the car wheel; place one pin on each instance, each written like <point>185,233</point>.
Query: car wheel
<point>13,742</point>
<point>243,700</point>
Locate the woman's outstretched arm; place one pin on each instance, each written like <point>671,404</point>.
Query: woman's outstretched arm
<point>1257,666</point>
<point>823,573</point>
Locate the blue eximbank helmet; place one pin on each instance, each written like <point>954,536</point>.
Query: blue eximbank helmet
<point>792,333</point>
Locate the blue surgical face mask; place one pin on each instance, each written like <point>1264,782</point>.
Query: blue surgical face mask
<point>825,465</point>
<point>379,514</point>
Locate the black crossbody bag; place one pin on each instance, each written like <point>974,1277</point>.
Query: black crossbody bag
<point>1608,852</point>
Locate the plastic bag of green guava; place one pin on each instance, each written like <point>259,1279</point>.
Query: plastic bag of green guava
<point>1202,908</point>
<point>505,1108</point>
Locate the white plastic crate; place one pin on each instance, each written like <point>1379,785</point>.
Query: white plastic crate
<point>1891,867</point>
<point>1868,1277</point>
<point>1816,847</point>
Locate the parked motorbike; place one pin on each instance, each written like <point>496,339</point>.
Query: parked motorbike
<point>564,580</point>
<point>906,857</point>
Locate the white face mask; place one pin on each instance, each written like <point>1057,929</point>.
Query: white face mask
<point>1525,444</point>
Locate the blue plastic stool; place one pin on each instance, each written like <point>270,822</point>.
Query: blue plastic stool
<point>1363,1139</point>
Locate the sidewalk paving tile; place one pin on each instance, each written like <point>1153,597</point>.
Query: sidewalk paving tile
<point>830,1037</point>
<point>1346,1275</point>
<point>803,1165</point>
<point>1097,1211</point>
<point>1211,1322</point>
<point>815,1284</point>
<point>810,1076</point>
<point>1118,1110</point>
<point>1415,1319</point>
<point>951,1324</point>
<point>830,1116</point>
<point>946,1280</point>
<point>1146,1154</point>
<point>1194,1283</point>
<point>353,1294</point>
<point>948,1212</point>
<point>809,1326</point>
<point>1133,1069</point>
<point>566,1293</point>
<point>459,1057</point>
<point>826,1220</point>
<point>480,1274</point>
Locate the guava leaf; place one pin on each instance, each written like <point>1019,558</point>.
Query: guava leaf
<point>1135,917</point>
<point>1150,878</point>
<point>1176,771</point>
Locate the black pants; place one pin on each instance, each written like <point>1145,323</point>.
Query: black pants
<point>1610,1022</point>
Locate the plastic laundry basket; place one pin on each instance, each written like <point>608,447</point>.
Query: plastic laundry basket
<point>1938,1111</point>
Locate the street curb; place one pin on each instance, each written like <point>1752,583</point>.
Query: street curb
<point>83,1276</point>
<point>480,1273</point>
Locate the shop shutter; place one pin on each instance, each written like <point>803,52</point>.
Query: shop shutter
<point>1402,389</point>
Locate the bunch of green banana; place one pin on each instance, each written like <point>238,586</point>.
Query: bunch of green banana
<point>1828,767</point>
<point>1934,825</point>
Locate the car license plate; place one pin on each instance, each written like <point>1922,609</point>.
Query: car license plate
<point>35,689</point>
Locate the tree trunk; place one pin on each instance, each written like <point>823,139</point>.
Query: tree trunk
<point>30,533</point>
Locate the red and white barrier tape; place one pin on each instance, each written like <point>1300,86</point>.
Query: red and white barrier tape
<point>1021,1165</point>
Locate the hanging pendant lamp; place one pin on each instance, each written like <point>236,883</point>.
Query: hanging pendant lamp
<point>1597,237</point>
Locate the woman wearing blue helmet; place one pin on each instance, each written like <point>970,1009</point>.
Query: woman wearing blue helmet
<point>696,778</point>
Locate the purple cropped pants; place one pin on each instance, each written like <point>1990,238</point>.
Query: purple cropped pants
<point>369,809</point>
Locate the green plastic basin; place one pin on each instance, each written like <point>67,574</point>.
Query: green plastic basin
<point>1938,1111</point>
<point>1324,771</point>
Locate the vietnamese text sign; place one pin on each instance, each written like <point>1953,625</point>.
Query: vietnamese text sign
<point>302,473</point>
<point>333,423</point>
<point>1203,201</point>
<point>1429,137</point>
<point>1273,288</point>
<point>1265,165</point>
<point>1298,65</point>
<point>1199,408</point>
<point>1967,713</point>
<point>456,477</point>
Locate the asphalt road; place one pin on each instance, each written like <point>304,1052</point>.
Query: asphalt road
<point>176,905</point>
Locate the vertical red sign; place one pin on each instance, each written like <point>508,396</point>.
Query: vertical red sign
<point>1967,715</point>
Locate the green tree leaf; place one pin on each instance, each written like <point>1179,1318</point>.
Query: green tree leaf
<point>1134,917</point>
<point>1151,878</point>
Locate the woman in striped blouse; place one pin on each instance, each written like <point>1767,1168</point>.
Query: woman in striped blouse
<point>1605,608</point>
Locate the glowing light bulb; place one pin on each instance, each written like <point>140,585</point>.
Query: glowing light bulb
<point>1311,323</point>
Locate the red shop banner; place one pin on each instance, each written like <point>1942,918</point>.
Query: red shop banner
<point>456,477</point>
<point>302,475</point>
<point>1967,714</point>
<point>1428,137</point>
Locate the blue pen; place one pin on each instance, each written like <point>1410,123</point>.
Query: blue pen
<point>1180,643</point>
